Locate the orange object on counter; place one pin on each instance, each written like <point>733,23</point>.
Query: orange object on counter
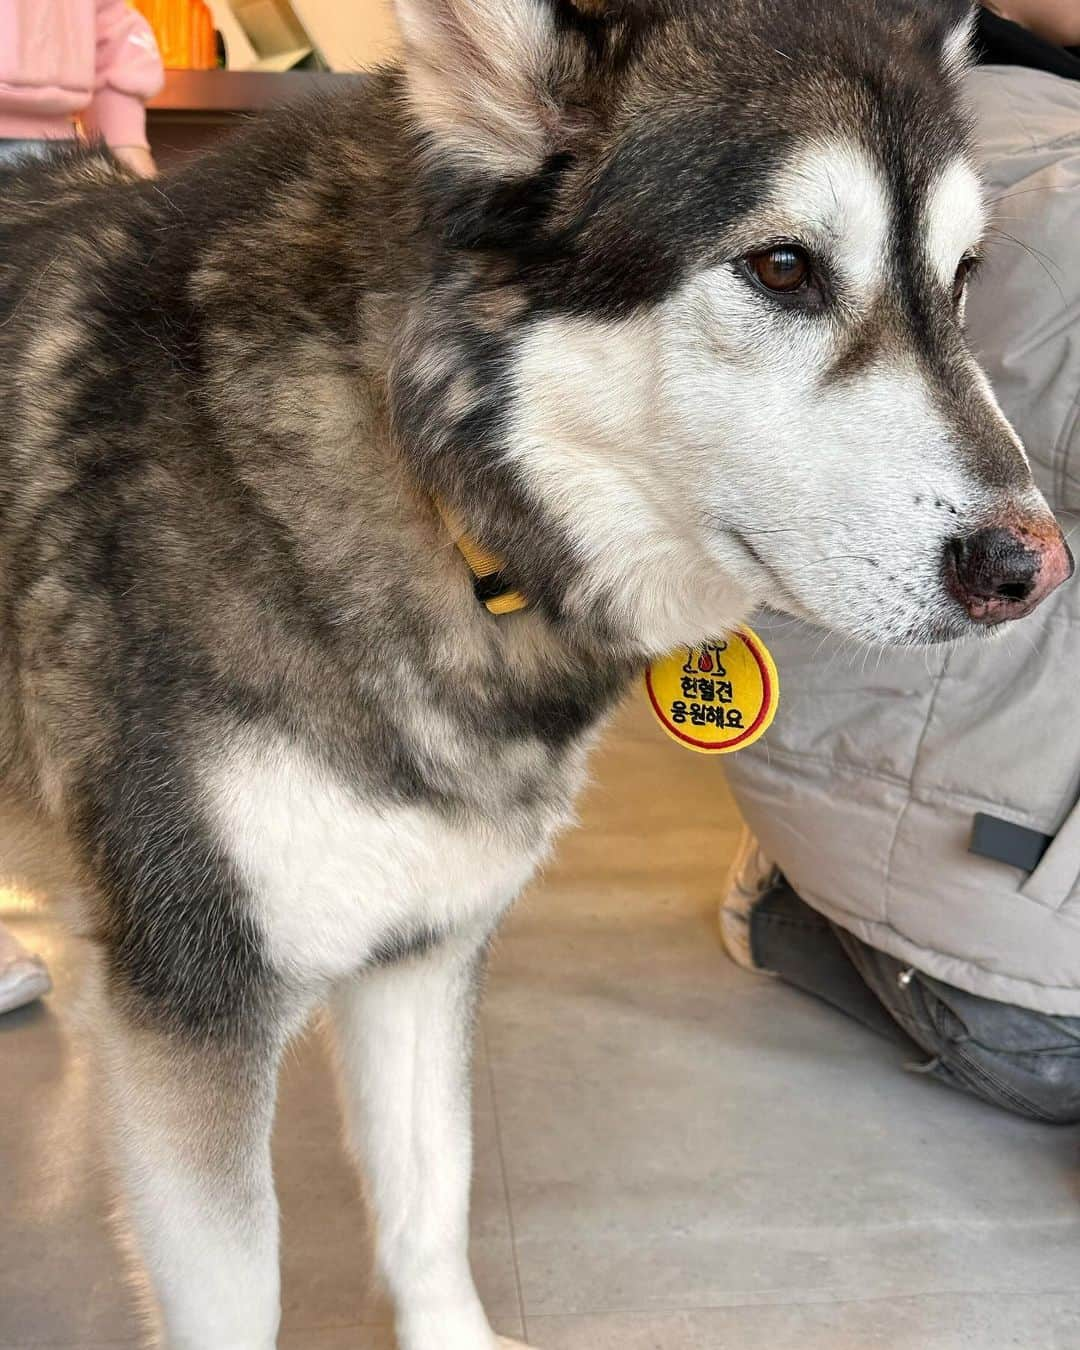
<point>205,44</point>
<point>184,30</point>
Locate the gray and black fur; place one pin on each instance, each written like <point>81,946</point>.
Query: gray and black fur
<point>216,473</point>
<point>230,397</point>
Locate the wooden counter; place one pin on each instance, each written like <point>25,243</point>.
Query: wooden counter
<point>198,107</point>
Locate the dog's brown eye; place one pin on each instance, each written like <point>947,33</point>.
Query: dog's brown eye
<point>782,269</point>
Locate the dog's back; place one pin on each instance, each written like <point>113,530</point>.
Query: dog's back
<point>155,343</point>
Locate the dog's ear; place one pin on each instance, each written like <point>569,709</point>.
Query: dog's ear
<point>486,77</point>
<point>958,48</point>
<point>944,28</point>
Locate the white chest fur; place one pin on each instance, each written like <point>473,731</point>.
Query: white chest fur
<point>334,877</point>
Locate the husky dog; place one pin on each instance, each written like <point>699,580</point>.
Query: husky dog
<point>665,302</point>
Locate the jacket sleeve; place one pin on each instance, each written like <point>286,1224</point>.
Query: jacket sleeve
<point>1024,316</point>
<point>128,72</point>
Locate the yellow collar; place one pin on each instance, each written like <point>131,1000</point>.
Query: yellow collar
<point>489,582</point>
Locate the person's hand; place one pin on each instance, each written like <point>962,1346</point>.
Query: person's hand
<point>136,158</point>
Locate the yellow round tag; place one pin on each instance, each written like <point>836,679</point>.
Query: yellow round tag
<point>716,698</point>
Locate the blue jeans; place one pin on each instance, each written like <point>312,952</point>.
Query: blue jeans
<point>1024,1061</point>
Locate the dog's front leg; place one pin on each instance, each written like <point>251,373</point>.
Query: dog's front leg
<point>191,1140</point>
<point>404,1035</point>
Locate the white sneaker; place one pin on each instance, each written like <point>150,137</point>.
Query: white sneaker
<point>23,976</point>
<point>750,877</point>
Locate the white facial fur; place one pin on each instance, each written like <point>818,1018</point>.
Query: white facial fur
<point>833,198</point>
<point>955,217</point>
<point>702,463</point>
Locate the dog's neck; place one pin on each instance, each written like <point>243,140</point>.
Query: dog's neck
<point>447,386</point>
<point>613,574</point>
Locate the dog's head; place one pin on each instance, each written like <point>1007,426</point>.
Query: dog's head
<point>697,314</point>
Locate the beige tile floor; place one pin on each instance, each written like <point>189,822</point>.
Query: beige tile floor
<point>672,1154</point>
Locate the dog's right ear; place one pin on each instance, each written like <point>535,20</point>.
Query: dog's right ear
<point>948,27</point>
<point>957,49</point>
<point>485,77</point>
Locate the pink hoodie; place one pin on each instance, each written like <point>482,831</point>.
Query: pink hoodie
<point>61,59</point>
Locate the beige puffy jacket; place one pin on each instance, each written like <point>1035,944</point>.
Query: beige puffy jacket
<point>865,790</point>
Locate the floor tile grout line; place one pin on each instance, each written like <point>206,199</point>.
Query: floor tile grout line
<point>504,1175</point>
<point>76,1345</point>
<point>676,1310</point>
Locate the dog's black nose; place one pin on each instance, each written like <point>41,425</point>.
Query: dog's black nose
<point>1002,573</point>
<point>995,565</point>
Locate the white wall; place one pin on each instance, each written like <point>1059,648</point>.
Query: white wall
<point>351,34</point>
<point>236,44</point>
